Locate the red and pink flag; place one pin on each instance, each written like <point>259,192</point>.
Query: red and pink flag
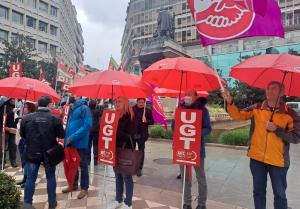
<point>158,111</point>
<point>222,20</point>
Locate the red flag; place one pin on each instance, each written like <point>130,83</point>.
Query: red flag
<point>15,70</point>
<point>65,114</point>
<point>107,137</point>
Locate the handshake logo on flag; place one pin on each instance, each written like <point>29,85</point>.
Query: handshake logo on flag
<point>223,19</point>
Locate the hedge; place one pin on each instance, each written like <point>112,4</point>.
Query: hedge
<point>237,137</point>
<point>158,131</point>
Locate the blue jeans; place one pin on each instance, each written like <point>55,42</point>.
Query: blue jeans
<point>120,180</point>
<point>84,177</point>
<point>278,175</point>
<point>31,170</point>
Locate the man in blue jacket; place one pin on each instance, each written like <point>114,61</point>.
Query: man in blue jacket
<point>77,136</point>
<point>191,101</point>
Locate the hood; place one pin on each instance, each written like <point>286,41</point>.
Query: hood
<point>79,103</point>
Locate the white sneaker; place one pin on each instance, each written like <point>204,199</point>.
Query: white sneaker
<point>124,206</point>
<point>115,205</point>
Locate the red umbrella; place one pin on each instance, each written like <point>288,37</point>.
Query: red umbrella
<point>71,164</point>
<point>26,88</point>
<point>110,84</point>
<point>258,71</point>
<point>182,74</point>
<point>174,93</point>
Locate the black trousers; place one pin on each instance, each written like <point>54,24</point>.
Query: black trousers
<point>11,147</point>
<point>141,147</point>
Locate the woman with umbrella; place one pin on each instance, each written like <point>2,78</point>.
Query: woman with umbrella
<point>125,133</point>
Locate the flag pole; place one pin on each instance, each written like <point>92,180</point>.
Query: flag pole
<point>3,138</point>
<point>183,187</point>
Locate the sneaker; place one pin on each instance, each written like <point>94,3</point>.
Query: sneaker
<point>82,194</point>
<point>67,189</point>
<point>139,173</point>
<point>201,207</point>
<point>124,206</point>
<point>115,205</point>
<point>186,207</point>
<point>53,205</point>
<point>21,181</point>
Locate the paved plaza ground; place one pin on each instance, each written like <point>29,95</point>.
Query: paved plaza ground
<point>228,176</point>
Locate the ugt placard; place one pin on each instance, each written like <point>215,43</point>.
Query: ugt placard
<point>187,137</point>
<point>107,137</point>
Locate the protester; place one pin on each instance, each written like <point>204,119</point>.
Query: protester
<point>269,142</point>
<point>125,132</point>
<point>77,136</point>
<point>10,131</point>
<point>142,118</point>
<point>94,132</point>
<point>40,129</point>
<point>28,109</point>
<point>191,101</point>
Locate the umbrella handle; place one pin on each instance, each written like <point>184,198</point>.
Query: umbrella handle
<point>278,97</point>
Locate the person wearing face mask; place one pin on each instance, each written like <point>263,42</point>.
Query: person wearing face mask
<point>191,101</point>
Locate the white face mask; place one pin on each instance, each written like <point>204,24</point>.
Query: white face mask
<point>188,100</point>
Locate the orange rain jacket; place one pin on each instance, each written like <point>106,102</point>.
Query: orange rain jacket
<point>269,147</point>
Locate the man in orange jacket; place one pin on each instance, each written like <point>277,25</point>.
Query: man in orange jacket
<point>269,142</point>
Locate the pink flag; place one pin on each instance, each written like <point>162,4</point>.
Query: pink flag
<point>158,111</point>
<point>222,20</point>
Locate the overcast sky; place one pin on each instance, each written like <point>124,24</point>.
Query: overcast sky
<point>102,22</point>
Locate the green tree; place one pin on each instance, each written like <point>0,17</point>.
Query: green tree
<point>245,95</point>
<point>19,49</point>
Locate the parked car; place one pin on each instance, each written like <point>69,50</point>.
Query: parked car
<point>295,106</point>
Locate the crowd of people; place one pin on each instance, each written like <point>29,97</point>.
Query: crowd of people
<point>40,128</point>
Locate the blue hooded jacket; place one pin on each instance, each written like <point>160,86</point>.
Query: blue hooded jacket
<point>206,126</point>
<point>79,124</point>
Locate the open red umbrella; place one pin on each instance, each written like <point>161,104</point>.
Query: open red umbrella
<point>174,93</point>
<point>182,74</point>
<point>26,88</point>
<point>71,164</point>
<point>110,84</point>
<point>260,70</point>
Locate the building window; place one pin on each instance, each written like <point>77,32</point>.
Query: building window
<point>43,6</point>
<point>53,11</point>
<point>53,30</point>
<point>17,17</point>
<point>30,43</point>
<point>43,26</point>
<point>4,12</point>
<point>30,22</point>
<point>3,35</point>
<point>42,47</point>
<point>53,50</point>
<point>31,3</point>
